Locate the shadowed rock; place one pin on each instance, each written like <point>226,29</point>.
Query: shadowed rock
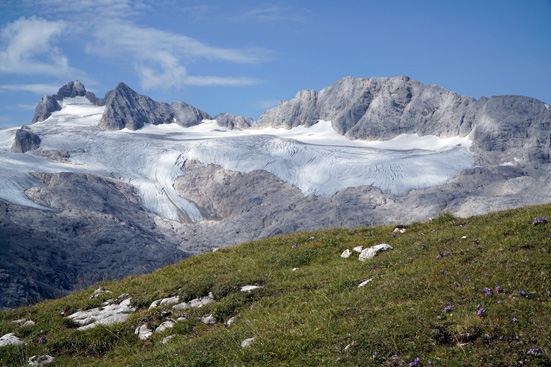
<point>25,140</point>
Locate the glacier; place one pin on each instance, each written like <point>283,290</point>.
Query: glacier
<point>317,160</point>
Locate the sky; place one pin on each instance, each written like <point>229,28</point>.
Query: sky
<point>243,57</point>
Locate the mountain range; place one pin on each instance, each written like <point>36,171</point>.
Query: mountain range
<point>104,188</point>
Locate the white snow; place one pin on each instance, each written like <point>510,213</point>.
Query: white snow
<point>317,160</point>
<point>548,106</point>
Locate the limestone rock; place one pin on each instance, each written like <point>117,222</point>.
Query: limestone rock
<point>166,339</point>
<point>365,282</point>
<point>358,248</point>
<point>164,326</point>
<point>143,332</point>
<point>39,361</point>
<point>346,254</point>
<point>249,288</point>
<point>208,320</point>
<point>10,339</point>
<point>247,342</point>
<point>195,303</point>
<point>98,292</point>
<point>164,301</point>
<point>109,315</point>
<point>25,140</point>
<point>370,253</point>
<point>232,121</point>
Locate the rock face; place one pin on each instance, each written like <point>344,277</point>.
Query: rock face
<point>232,121</point>
<point>25,140</point>
<point>96,229</point>
<point>383,108</point>
<point>50,104</point>
<point>124,108</point>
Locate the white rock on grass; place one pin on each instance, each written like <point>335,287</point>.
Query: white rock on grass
<point>164,301</point>
<point>247,342</point>
<point>195,303</point>
<point>208,320</point>
<point>109,315</point>
<point>39,361</point>
<point>248,288</point>
<point>364,283</point>
<point>167,338</point>
<point>164,326</point>
<point>143,332</point>
<point>346,254</point>
<point>10,339</point>
<point>358,248</point>
<point>98,292</point>
<point>230,321</point>
<point>370,253</point>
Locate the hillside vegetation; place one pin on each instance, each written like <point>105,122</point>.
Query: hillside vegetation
<point>452,292</point>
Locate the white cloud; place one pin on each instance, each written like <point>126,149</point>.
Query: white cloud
<point>158,55</point>
<point>269,103</point>
<point>33,88</point>
<point>29,47</point>
<point>271,13</point>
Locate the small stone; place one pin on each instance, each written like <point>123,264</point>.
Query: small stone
<point>164,301</point>
<point>28,323</point>
<point>247,342</point>
<point>370,253</point>
<point>98,292</point>
<point>231,320</point>
<point>364,283</point>
<point>208,320</point>
<point>358,248</point>
<point>164,326</point>
<point>195,303</point>
<point>248,288</point>
<point>167,338</point>
<point>346,254</point>
<point>294,269</point>
<point>39,361</point>
<point>10,339</point>
<point>215,249</point>
<point>143,332</point>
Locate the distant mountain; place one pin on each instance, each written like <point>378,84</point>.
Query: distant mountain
<point>101,188</point>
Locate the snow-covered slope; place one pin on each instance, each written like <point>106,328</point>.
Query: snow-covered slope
<point>317,160</point>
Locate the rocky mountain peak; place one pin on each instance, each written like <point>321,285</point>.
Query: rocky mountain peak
<point>50,104</point>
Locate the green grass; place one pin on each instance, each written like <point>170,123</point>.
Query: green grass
<point>317,315</point>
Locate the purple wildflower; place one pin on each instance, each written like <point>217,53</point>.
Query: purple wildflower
<point>375,354</point>
<point>480,312</point>
<point>295,245</point>
<point>42,339</point>
<point>438,316</point>
<point>499,289</point>
<point>415,362</point>
<point>534,351</point>
<point>456,284</point>
<point>393,235</point>
<point>515,319</point>
<point>438,256</point>
<point>522,293</point>
<point>487,291</point>
<point>448,308</point>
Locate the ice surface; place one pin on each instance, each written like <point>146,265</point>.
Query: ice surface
<point>317,160</point>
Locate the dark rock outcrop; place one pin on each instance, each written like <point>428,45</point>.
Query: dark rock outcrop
<point>25,140</point>
<point>124,108</point>
<point>50,104</point>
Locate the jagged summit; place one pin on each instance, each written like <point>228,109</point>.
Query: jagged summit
<point>125,108</point>
<point>50,104</point>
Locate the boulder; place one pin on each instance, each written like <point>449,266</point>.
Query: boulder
<point>39,361</point>
<point>10,339</point>
<point>195,303</point>
<point>247,342</point>
<point>370,253</point>
<point>108,315</point>
<point>164,301</point>
<point>143,332</point>
<point>25,140</point>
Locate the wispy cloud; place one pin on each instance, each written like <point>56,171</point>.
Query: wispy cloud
<point>29,47</point>
<point>33,88</point>
<point>109,29</point>
<point>269,103</point>
<point>272,13</point>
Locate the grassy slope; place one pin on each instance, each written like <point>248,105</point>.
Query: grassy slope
<point>308,317</point>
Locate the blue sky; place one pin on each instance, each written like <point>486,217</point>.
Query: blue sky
<point>243,57</point>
